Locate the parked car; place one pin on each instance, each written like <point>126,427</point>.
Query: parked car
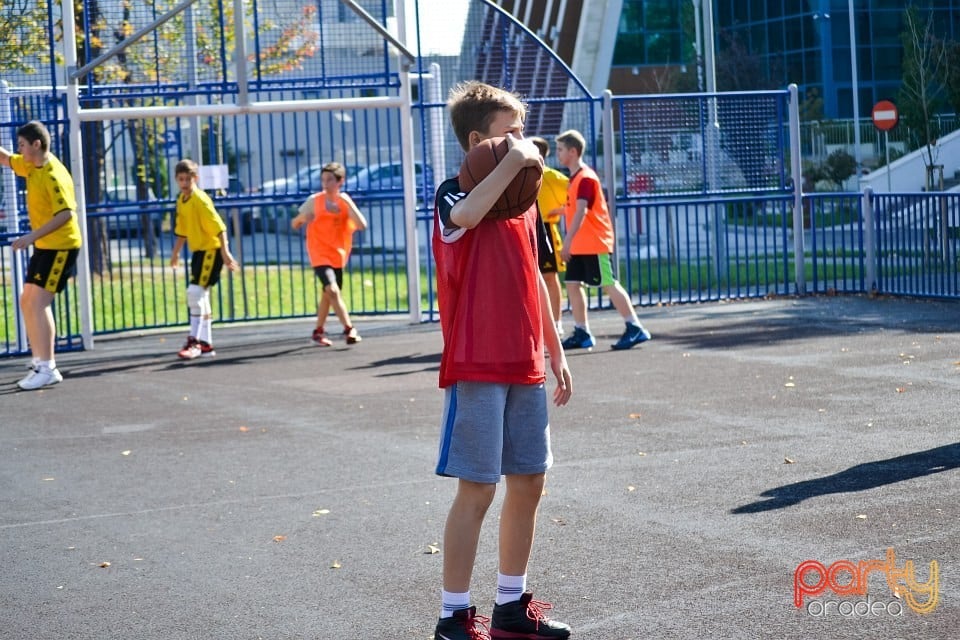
<point>386,179</point>
<point>123,208</point>
<point>290,192</point>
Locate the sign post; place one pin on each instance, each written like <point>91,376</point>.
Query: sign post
<point>885,117</point>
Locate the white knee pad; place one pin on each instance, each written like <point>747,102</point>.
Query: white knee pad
<point>195,299</point>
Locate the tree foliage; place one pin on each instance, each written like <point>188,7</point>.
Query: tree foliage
<point>839,166</point>
<point>23,34</point>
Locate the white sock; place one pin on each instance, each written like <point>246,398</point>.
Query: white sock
<point>49,364</point>
<point>452,601</point>
<point>205,330</point>
<point>194,325</point>
<point>510,588</point>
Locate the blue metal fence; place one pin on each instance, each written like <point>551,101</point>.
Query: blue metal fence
<point>702,187</point>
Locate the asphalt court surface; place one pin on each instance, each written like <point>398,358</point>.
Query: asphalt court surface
<point>285,491</point>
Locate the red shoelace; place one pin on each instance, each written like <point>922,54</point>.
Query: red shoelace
<point>536,610</point>
<point>478,627</point>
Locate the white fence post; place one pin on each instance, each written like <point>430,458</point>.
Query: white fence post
<point>799,260</point>
<point>869,240</point>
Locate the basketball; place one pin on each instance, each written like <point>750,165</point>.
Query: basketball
<point>518,196</point>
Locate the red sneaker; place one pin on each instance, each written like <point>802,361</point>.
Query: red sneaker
<point>320,338</point>
<point>190,350</point>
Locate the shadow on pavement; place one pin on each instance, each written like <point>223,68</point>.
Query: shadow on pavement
<point>861,477</point>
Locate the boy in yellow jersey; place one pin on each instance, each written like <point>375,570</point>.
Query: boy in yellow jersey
<point>552,198</point>
<point>200,227</point>
<point>55,236</point>
<point>331,217</point>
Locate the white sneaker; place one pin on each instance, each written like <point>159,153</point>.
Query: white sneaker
<point>41,377</point>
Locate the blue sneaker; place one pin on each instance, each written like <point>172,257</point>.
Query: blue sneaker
<point>579,339</point>
<point>633,336</point>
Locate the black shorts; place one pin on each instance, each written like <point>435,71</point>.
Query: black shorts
<point>51,268</point>
<point>329,275</point>
<point>549,250</point>
<point>593,271</point>
<point>205,267</point>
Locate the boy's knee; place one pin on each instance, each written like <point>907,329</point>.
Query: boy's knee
<point>478,494</point>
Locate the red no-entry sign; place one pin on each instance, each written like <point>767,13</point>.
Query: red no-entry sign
<point>885,115</point>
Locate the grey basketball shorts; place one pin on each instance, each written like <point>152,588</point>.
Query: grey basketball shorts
<point>490,430</point>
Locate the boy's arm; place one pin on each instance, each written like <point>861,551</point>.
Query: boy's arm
<point>358,220</point>
<point>551,340</point>
<point>5,157</point>
<point>574,227</point>
<point>468,213</point>
<point>57,221</point>
<point>304,214</point>
<point>228,260</point>
<point>175,252</point>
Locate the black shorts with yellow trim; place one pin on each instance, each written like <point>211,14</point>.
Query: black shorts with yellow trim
<point>51,268</point>
<point>205,267</point>
<point>549,245</point>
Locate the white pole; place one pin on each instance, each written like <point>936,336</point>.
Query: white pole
<point>800,277</point>
<point>13,216</point>
<point>856,92</point>
<point>698,44</point>
<point>409,176</point>
<point>84,289</point>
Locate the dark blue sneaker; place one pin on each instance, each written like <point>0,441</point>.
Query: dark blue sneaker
<point>579,339</point>
<point>464,625</point>
<point>526,618</point>
<point>633,336</point>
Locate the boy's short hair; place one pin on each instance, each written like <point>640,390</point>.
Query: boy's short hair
<point>33,131</point>
<point>336,169</point>
<point>573,139</point>
<point>542,145</point>
<point>473,106</point>
<point>187,166</point>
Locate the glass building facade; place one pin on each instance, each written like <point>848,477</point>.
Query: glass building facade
<point>806,42</point>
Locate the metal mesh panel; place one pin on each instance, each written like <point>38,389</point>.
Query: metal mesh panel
<point>697,144</point>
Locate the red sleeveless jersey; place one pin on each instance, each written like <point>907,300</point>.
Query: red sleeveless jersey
<point>488,290</point>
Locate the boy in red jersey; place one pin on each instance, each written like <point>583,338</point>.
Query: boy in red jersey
<point>496,322</point>
<point>331,217</point>
<point>200,227</point>
<point>587,248</point>
<point>55,236</point>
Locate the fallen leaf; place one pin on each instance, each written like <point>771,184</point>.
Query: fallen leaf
<point>336,564</point>
<point>631,488</point>
<point>125,453</point>
<point>635,416</point>
<point>862,516</point>
<point>244,429</point>
<point>896,593</point>
<point>788,461</point>
<point>279,538</point>
<point>901,389</point>
<point>50,479</point>
<point>789,384</point>
<point>432,549</point>
<point>320,512</point>
<point>104,565</point>
<point>641,453</point>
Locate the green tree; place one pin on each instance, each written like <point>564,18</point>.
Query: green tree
<point>23,34</point>
<point>839,166</point>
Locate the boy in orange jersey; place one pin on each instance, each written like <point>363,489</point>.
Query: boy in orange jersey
<point>200,227</point>
<point>496,323</point>
<point>330,217</point>
<point>55,236</point>
<point>587,248</point>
